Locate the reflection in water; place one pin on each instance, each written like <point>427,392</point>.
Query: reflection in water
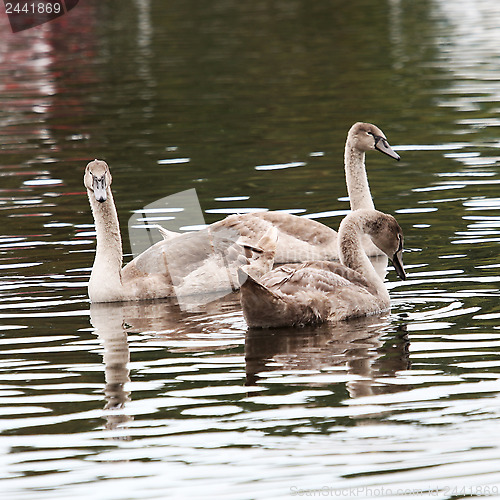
<point>164,320</point>
<point>108,322</point>
<point>143,82</point>
<point>165,317</point>
<point>469,47</point>
<point>359,347</point>
<point>365,350</point>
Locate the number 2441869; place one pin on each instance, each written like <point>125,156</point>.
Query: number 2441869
<point>33,8</point>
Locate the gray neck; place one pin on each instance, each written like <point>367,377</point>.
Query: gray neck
<point>356,179</point>
<point>353,255</point>
<point>108,257</point>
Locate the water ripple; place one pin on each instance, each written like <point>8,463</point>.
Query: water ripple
<point>147,399</point>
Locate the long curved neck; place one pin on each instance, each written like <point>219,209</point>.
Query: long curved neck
<point>356,179</point>
<point>106,272</point>
<point>353,255</point>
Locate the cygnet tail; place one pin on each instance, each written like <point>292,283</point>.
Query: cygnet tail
<point>166,234</point>
<point>261,307</point>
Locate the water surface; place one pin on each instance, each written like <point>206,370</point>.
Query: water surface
<point>249,103</point>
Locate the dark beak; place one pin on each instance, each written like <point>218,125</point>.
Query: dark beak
<point>397,262</point>
<point>99,185</point>
<point>383,146</point>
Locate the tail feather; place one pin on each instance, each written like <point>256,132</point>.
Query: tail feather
<point>166,234</point>
<point>261,306</point>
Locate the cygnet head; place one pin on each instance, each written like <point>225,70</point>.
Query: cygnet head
<point>367,137</point>
<point>97,179</point>
<point>386,233</point>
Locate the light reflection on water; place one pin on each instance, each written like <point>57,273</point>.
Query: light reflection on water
<point>157,402</point>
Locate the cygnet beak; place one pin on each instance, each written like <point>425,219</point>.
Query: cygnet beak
<point>383,146</point>
<point>99,187</point>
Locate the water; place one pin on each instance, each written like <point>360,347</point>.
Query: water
<point>250,103</point>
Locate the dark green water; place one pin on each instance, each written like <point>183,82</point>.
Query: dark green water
<point>146,401</point>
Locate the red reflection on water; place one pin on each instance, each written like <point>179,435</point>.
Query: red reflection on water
<point>35,105</point>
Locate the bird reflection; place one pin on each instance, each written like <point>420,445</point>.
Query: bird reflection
<point>114,321</point>
<point>108,322</point>
<point>367,348</point>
